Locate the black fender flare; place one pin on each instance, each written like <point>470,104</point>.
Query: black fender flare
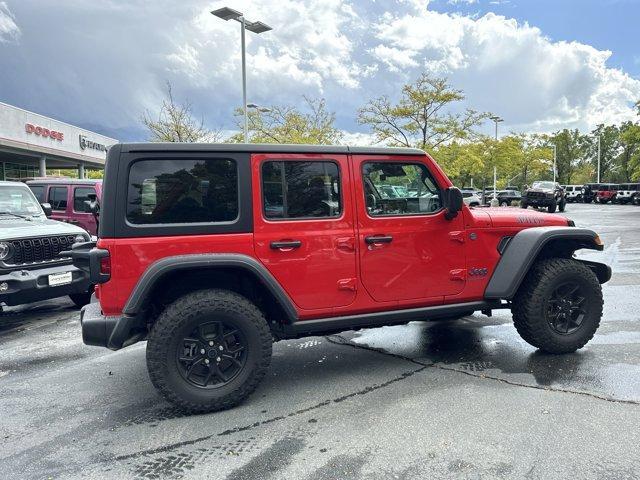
<point>157,270</point>
<point>521,251</point>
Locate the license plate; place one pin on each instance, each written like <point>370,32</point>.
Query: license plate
<point>56,279</point>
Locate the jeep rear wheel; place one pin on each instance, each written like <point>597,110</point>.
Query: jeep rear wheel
<point>208,350</point>
<point>552,208</point>
<point>559,306</point>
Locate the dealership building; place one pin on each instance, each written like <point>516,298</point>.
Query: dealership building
<point>31,143</point>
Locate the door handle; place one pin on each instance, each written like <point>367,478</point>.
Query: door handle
<point>378,239</point>
<point>286,244</point>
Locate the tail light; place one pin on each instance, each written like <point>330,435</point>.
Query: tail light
<point>105,266</point>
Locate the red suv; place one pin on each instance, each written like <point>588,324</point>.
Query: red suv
<point>607,192</point>
<point>68,199</point>
<point>210,252</point>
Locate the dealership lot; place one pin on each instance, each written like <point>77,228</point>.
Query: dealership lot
<point>458,399</point>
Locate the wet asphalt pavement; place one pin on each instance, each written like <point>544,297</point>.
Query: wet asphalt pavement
<point>463,399</point>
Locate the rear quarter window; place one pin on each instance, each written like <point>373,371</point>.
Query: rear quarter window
<point>182,191</point>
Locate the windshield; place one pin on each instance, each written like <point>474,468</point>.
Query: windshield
<point>18,200</point>
<point>545,185</point>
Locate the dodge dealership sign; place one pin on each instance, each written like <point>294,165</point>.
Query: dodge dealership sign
<point>44,132</point>
<point>37,134</point>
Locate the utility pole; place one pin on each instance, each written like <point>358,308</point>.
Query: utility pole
<point>555,161</point>
<point>496,119</point>
<point>598,181</point>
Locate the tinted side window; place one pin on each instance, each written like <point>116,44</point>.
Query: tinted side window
<point>393,188</point>
<point>58,198</point>
<point>38,191</point>
<point>301,190</point>
<point>182,191</point>
<point>80,196</point>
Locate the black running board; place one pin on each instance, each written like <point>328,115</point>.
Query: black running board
<point>303,328</point>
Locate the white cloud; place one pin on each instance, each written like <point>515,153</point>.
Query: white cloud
<point>9,30</point>
<point>111,59</point>
<point>510,68</point>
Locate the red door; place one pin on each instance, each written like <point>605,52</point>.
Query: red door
<point>81,214</point>
<point>304,226</point>
<point>408,250</point>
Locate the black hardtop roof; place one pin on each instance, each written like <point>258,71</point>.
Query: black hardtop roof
<point>265,148</point>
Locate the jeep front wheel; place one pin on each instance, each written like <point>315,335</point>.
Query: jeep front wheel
<point>559,306</point>
<point>552,208</point>
<point>208,350</point>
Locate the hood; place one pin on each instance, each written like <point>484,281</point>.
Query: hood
<point>542,190</point>
<point>516,217</point>
<point>12,228</point>
<point>513,217</point>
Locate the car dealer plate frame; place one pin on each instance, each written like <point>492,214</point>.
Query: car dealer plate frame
<point>57,279</point>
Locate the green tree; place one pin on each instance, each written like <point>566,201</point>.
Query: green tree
<point>287,124</point>
<point>609,150</point>
<point>629,159</point>
<point>420,118</point>
<point>175,123</point>
<point>571,148</point>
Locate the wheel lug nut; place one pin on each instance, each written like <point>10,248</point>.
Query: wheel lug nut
<point>206,360</point>
<point>220,347</point>
<point>202,351</point>
<point>210,343</point>
<point>218,359</point>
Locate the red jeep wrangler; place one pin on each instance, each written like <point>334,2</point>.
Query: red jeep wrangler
<point>209,252</point>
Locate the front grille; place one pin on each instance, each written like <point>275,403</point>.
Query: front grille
<point>45,249</point>
<point>536,195</point>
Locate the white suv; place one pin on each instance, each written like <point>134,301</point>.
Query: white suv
<point>471,198</point>
<point>626,191</point>
<point>573,193</point>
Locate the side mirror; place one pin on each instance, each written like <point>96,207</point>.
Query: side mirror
<point>46,207</point>
<point>452,202</point>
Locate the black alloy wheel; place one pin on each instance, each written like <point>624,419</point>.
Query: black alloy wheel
<point>212,354</point>
<point>566,308</point>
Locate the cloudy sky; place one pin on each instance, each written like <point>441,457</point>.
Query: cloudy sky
<point>542,65</point>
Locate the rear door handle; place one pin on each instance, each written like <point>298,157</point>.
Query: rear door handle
<point>378,239</point>
<point>286,244</point>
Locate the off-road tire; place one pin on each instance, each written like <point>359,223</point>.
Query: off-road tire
<point>504,204</point>
<point>552,208</point>
<point>530,303</point>
<point>188,312</point>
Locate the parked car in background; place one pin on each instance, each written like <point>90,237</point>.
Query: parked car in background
<point>590,192</point>
<point>505,198</point>
<point>549,195</point>
<point>626,191</point>
<point>68,199</point>
<point>471,197</point>
<point>607,192</point>
<point>573,193</point>
<point>30,243</point>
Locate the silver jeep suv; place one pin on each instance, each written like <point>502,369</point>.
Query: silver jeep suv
<point>31,267</point>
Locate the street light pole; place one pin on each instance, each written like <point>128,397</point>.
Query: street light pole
<point>244,79</point>
<point>555,155</point>
<point>226,13</point>
<point>598,159</point>
<point>496,119</point>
